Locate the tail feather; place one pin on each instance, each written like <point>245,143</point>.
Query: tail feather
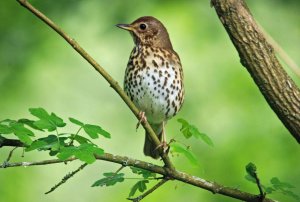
<point>149,146</point>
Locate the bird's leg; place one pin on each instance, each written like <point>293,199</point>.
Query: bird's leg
<point>163,140</point>
<point>142,118</point>
<point>164,143</point>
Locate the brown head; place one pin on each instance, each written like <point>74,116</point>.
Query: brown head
<point>148,31</point>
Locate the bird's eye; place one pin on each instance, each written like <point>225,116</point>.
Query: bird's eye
<point>143,26</point>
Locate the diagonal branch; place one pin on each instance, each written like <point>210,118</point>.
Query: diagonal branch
<point>259,58</point>
<point>214,187</point>
<point>114,84</point>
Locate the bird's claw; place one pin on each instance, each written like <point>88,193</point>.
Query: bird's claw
<point>165,147</point>
<point>142,118</point>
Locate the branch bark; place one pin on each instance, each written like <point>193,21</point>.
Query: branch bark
<point>257,55</point>
<point>214,187</point>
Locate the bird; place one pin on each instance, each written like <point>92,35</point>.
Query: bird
<point>153,78</point>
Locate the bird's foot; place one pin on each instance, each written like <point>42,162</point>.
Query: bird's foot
<point>142,118</point>
<point>165,147</point>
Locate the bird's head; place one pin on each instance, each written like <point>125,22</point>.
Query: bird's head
<point>148,31</point>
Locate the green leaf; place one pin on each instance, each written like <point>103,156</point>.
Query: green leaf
<point>46,121</point>
<point>177,148</point>
<point>39,113</point>
<point>85,152</point>
<point>251,169</point>
<point>185,128</point>
<point>250,178</point>
<point>109,179</point>
<point>21,132</point>
<point>45,143</point>
<point>81,139</point>
<point>277,184</point>
<point>145,173</point>
<point>140,185</point>
<point>268,190</point>
<point>189,130</point>
<point>45,124</point>
<point>4,129</point>
<point>29,123</point>
<point>59,122</point>
<point>94,130</point>
<point>77,122</point>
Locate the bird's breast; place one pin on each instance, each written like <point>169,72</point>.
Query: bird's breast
<point>154,82</point>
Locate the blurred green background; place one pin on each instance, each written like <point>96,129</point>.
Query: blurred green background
<point>38,68</point>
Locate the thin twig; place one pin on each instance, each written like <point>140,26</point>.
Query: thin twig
<point>5,163</point>
<point>114,84</point>
<point>261,192</point>
<point>67,177</point>
<point>10,154</point>
<point>139,198</point>
<point>37,163</point>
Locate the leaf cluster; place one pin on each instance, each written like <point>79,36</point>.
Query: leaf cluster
<point>62,145</point>
<point>275,184</point>
<point>111,179</point>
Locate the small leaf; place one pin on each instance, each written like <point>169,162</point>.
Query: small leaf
<point>4,129</point>
<point>280,185</point>
<point>185,128</point>
<point>145,173</point>
<point>45,124</point>
<point>85,152</point>
<point>94,130</point>
<point>81,140</point>
<point>77,122</point>
<point>177,148</point>
<point>250,178</point>
<point>59,122</point>
<point>140,185</point>
<point>22,133</point>
<point>39,113</point>
<point>268,190</point>
<point>46,121</point>
<point>109,179</point>
<point>29,123</point>
<point>251,169</point>
<point>189,130</point>
<point>45,143</point>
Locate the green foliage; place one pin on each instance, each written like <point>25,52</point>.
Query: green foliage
<point>140,185</point>
<point>189,131</point>
<point>62,144</point>
<point>18,129</point>
<point>110,179</point>
<point>46,121</point>
<point>275,184</point>
<point>92,130</point>
<point>251,169</point>
<point>85,152</point>
<point>145,173</point>
<point>185,150</point>
<point>51,142</point>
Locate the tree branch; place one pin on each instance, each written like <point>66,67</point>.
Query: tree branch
<point>257,55</point>
<point>214,187</point>
<point>114,84</point>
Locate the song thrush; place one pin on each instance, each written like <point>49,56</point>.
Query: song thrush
<point>153,77</point>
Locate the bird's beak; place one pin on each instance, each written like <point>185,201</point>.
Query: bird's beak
<point>125,26</point>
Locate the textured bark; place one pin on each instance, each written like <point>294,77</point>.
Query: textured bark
<point>258,56</point>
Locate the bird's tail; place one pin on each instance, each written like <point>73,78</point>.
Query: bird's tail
<point>149,146</point>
